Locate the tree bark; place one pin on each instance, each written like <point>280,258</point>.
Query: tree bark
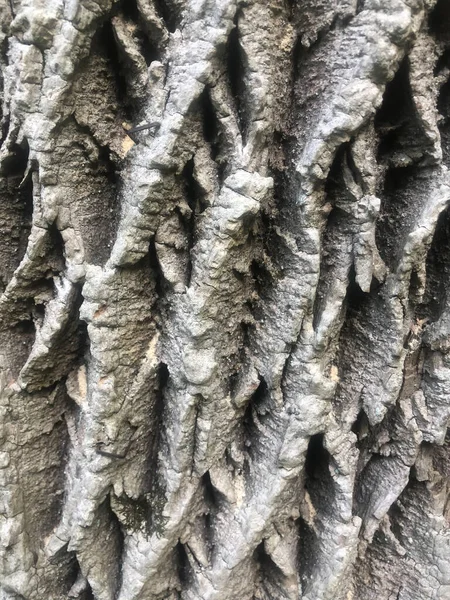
<point>224,310</point>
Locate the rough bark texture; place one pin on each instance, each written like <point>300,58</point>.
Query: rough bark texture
<point>225,339</point>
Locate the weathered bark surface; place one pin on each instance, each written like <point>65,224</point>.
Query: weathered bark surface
<point>225,343</point>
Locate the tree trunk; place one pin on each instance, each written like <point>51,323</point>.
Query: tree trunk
<point>225,318</point>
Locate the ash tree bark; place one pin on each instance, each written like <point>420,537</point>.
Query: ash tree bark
<point>225,338</point>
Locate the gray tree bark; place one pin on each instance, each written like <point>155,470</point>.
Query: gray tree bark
<point>225,336</point>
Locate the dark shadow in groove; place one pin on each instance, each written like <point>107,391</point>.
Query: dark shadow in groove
<point>256,414</point>
<point>335,181</point>
<point>442,63</point>
<point>16,190</point>
<point>183,565</point>
<point>263,558</point>
<point>87,594</point>
<point>308,547</point>
<point>437,286</point>
<point>161,284</point>
<point>5,119</point>
<point>190,186</point>
<point>443,105</point>
<point>158,409</point>
<point>15,162</point>
<point>39,311</point>
<point>402,138</point>
<point>167,13</point>
<point>193,192</point>
<point>299,54</point>
<point>155,427</point>
<point>355,297</point>
<point>239,275</point>
<point>320,486</point>
<point>120,545</point>
<point>397,213</point>
<point>439,20</point>
<point>396,98</point>
<point>210,493</point>
<point>262,277</point>
<point>271,576</point>
<point>318,479</point>
<point>211,128</point>
<point>25,328</point>
<point>240,358</point>
<point>414,288</point>
<point>152,501</point>
<point>340,22</point>
<point>149,51</point>
<point>236,73</point>
<point>259,398</point>
<point>247,330</point>
<point>56,259</point>
<point>109,168</point>
<point>5,122</point>
<point>194,197</point>
<point>163,378</point>
<point>130,11</point>
<point>361,427</point>
<point>105,38</point>
<point>292,7</point>
<point>316,458</point>
<point>84,342</point>
<point>212,501</point>
<point>56,239</point>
